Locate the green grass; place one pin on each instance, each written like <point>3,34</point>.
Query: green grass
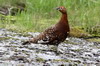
<point>41,14</point>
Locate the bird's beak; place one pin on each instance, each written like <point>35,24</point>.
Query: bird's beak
<point>57,8</point>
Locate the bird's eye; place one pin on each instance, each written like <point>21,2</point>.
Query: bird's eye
<point>61,8</point>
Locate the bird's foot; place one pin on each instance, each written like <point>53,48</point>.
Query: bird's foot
<point>24,43</point>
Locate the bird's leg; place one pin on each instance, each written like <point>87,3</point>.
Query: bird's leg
<point>56,51</point>
<point>27,42</point>
<point>49,49</point>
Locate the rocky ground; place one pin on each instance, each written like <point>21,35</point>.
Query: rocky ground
<point>73,52</point>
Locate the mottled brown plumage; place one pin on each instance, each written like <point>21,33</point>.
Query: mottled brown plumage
<point>55,34</point>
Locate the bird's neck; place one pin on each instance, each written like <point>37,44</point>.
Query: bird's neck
<point>64,18</point>
<point>64,21</point>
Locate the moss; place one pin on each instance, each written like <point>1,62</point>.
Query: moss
<point>98,47</point>
<point>40,60</point>
<point>95,30</point>
<point>5,38</point>
<point>70,42</point>
<point>78,32</point>
<point>94,40</point>
<point>53,48</point>
<point>65,60</point>
<point>77,50</point>
<point>62,60</point>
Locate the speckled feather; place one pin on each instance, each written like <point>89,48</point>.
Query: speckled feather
<point>55,34</point>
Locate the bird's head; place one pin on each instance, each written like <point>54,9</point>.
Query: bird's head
<point>61,9</point>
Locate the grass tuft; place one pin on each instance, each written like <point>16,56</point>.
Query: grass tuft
<point>41,14</point>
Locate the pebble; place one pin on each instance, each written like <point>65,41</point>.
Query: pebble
<point>78,52</point>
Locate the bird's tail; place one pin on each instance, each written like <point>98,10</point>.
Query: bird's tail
<point>27,42</point>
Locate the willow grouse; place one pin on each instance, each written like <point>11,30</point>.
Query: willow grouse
<point>55,34</point>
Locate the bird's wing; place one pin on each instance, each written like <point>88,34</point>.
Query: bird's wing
<point>48,36</point>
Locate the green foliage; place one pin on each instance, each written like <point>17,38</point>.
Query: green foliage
<point>41,14</point>
<point>78,32</point>
<point>94,40</point>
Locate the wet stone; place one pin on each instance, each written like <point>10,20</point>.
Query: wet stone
<point>73,52</point>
